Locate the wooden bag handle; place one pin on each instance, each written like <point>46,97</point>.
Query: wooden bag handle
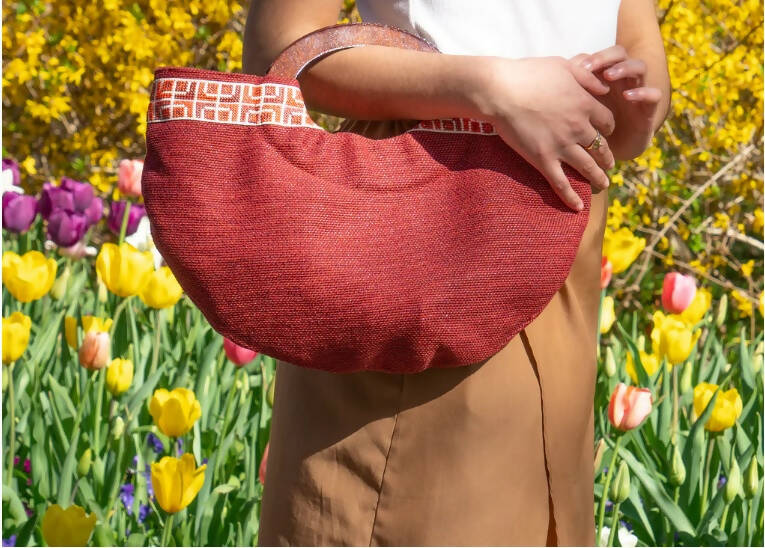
<point>304,51</point>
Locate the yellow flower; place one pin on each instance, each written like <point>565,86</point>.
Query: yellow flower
<point>727,407</point>
<point>761,304</point>
<point>672,337</point>
<point>123,268</point>
<point>747,267</point>
<point>119,375</point>
<point>176,481</point>
<point>695,311</point>
<point>70,527</point>
<point>622,248</point>
<point>650,364</point>
<point>89,323</point>
<point>162,290</point>
<point>16,330</point>
<point>174,412</point>
<point>743,304</point>
<point>607,315</point>
<point>30,276</point>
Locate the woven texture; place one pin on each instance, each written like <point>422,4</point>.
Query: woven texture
<point>338,252</point>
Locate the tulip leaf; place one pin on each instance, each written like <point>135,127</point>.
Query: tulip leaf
<point>665,407</point>
<point>747,373</point>
<point>224,488</point>
<point>710,520</point>
<point>671,510</point>
<point>61,395</point>
<point>15,506</point>
<point>643,377</point>
<point>142,395</point>
<point>41,465</point>
<point>136,539</point>
<point>67,470</point>
<point>694,453</point>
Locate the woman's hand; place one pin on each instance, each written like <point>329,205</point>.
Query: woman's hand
<point>543,107</point>
<point>633,104</point>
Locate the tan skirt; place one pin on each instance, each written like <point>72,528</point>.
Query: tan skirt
<point>496,453</point>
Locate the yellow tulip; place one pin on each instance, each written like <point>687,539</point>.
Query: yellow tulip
<point>622,248</point>
<point>650,364</point>
<point>70,527</point>
<point>174,412</point>
<point>672,337</point>
<point>162,290</point>
<point>16,330</point>
<point>695,311</point>
<point>176,481</point>
<point>28,277</point>
<point>761,303</point>
<point>727,407</point>
<point>89,323</point>
<point>607,315</point>
<point>119,376</point>
<point>123,268</point>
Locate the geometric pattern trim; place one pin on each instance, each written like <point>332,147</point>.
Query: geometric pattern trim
<point>245,103</point>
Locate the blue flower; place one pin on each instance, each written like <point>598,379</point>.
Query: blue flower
<point>149,487</point>
<point>609,504</point>
<point>625,525</point>
<point>143,512</point>
<point>10,541</point>
<point>156,443</point>
<point>179,451</point>
<point>722,481</point>
<point>126,496</point>
<point>204,460</point>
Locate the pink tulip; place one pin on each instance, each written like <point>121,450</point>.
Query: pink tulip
<point>606,268</point>
<point>262,469</point>
<point>95,350</point>
<point>129,177</point>
<point>238,354</point>
<point>677,292</point>
<point>629,406</point>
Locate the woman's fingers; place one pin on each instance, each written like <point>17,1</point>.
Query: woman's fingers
<point>588,80</point>
<point>590,163</point>
<point>560,184</point>
<point>601,117</point>
<point>604,58</point>
<point>643,94</point>
<point>631,68</point>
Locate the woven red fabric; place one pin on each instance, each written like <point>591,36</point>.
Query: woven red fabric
<point>338,252</point>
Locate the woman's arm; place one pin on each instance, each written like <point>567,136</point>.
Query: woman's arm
<point>541,107</point>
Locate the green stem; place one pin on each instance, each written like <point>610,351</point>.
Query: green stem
<point>97,411</point>
<point>123,226</point>
<point>157,341</point>
<point>748,509</point>
<point>705,488</point>
<point>12,414</point>
<point>724,517</point>
<point>168,529</point>
<point>614,525</point>
<point>602,509</point>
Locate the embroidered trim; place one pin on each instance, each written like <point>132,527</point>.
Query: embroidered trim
<point>244,103</point>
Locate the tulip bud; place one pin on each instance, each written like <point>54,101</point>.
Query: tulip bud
<point>677,473</point>
<point>271,390</point>
<point>610,365</point>
<point>102,290</point>
<point>238,354</point>
<point>733,485</point>
<point>641,342</point>
<point>59,287</point>
<point>83,465</point>
<point>722,310</point>
<point>757,358</point>
<point>620,488</point>
<point>95,350</point>
<point>752,480</point>
<point>118,428</point>
<point>686,380</point>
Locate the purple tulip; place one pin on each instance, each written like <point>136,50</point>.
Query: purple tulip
<point>65,228</point>
<point>19,211</point>
<point>14,167</point>
<point>116,212</point>
<point>82,193</point>
<point>94,211</point>
<point>53,198</point>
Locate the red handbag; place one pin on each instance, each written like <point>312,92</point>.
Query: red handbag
<point>341,252</point>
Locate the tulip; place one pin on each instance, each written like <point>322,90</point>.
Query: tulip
<point>271,392</point>
<point>761,303</point>
<point>629,406</point>
<point>695,311</point>
<point>141,239</point>
<point>672,338</point>
<point>19,211</point>
<point>82,193</point>
<point>77,251</point>
<point>123,268</point>
<point>752,479</point>
<point>727,409</point>
<point>53,198</point>
<point>70,527</point>
<point>650,364</point>
<point>620,488</point>
<point>176,481</point>
<point>95,350</point>
<point>89,323</point>
<point>83,465</point>
<point>733,486</point>
<point>606,270</point>
<point>119,376</point>
<point>117,211</point>
<point>16,330</point>
<point>129,177</point>
<point>678,291</point>
<point>11,169</point>
<point>174,412</point>
<point>66,228</point>
<point>28,277</point>
<point>621,248</point>
<point>722,310</point>
<point>607,314</point>
<point>677,472</point>
<point>162,290</point>
<point>238,354</point>
<point>262,467</point>
<point>118,428</point>
<point>58,289</point>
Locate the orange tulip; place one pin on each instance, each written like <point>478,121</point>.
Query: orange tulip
<point>629,406</point>
<point>606,269</point>
<point>95,350</point>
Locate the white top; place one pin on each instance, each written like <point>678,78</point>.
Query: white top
<point>504,28</point>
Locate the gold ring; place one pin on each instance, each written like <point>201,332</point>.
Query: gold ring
<point>595,144</point>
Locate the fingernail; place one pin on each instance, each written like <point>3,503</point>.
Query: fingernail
<point>579,206</point>
<point>587,65</point>
<point>630,94</point>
